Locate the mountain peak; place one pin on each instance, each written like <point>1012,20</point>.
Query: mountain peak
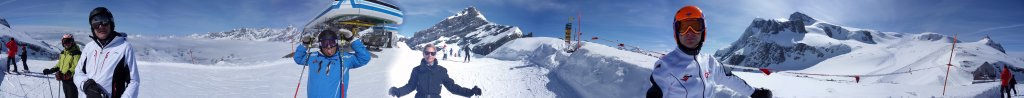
<point>469,12</point>
<point>991,43</point>
<point>4,22</point>
<point>797,16</point>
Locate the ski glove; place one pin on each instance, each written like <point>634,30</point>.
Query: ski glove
<point>393,91</point>
<point>476,90</point>
<point>761,93</point>
<point>307,41</point>
<point>49,71</point>
<point>93,90</point>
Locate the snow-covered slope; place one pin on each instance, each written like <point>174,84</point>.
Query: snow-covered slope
<point>468,27</point>
<point>593,71</point>
<point>37,49</point>
<point>801,44</point>
<point>254,34</point>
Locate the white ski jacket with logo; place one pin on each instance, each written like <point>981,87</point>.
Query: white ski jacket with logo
<point>99,63</point>
<point>680,76</point>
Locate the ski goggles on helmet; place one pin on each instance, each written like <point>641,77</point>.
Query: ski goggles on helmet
<point>691,25</point>
<point>329,42</point>
<point>100,20</point>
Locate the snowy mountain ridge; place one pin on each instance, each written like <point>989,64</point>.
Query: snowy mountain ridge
<point>38,49</point>
<point>803,44</point>
<point>253,34</point>
<point>466,28</point>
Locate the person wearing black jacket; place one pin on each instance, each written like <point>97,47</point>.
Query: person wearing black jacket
<point>24,57</point>
<point>428,77</point>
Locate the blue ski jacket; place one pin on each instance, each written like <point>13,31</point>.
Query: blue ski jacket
<point>328,75</point>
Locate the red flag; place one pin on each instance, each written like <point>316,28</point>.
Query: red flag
<point>857,78</point>
<point>766,71</point>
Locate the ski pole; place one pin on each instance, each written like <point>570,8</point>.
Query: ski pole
<point>49,86</point>
<point>303,73</point>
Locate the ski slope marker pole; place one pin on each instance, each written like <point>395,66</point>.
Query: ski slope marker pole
<point>949,64</point>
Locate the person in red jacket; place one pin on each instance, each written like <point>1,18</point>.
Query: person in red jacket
<point>12,48</point>
<point>1005,79</point>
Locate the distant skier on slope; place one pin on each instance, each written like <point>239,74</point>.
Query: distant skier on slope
<point>685,74</point>
<point>465,50</point>
<point>428,77</point>
<point>12,49</point>
<point>445,57</point>
<point>24,57</point>
<point>1004,77</point>
<point>328,70</point>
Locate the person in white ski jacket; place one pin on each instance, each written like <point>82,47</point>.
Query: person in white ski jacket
<point>684,73</point>
<point>107,68</point>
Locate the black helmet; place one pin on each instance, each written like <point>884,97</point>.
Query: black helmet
<point>101,12</point>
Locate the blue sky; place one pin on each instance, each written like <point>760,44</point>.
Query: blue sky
<point>161,17</point>
<point>647,23</point>
<point>644,23</point>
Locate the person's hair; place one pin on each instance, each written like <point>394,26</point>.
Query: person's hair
<point>428,46</point>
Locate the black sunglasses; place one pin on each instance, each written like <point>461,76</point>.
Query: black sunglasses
<point>429,53</point>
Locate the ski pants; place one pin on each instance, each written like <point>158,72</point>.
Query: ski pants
<point>70,91</point>
<point>1005,91</point>
<point>24,62</point>
<point>11,61</point>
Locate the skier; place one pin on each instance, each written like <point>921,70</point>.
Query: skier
<point>65,67</point>
<point>684,73</point>
<point>427,79</point>
<point>107,67</point>
<point>445,57</point>
<point>466,50</point>
<point>1005,77</point>
<point>1013,83</point>
<point>329,70</point>
<point>24,57</point>
<point>12,49</point>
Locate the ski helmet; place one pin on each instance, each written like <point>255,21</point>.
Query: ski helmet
<point>689,19</point>
<point>328,38</point>
<point>67,39</point>
<point>101,14</point>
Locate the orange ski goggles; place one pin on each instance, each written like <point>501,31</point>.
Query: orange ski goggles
<point>691,25</point>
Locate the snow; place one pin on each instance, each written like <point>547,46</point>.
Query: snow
<point>246,66</point>
<point>277,77</point>
<point>788,85</point>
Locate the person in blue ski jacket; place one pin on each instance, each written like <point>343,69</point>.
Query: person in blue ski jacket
<point>328,70</point>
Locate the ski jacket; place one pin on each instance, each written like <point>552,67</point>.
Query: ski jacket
<point>112,66</point>
<point>426,80</point>
<point>67,61</point>
<point>1005,75</point>
<point>327,74</point>
<point>24,53</point>
<point>678,75</point>
<point>12,48</point>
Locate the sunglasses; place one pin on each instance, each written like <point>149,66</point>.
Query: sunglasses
<point>429,53</point>
<point>693,25</point>
<point>100,20</point>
